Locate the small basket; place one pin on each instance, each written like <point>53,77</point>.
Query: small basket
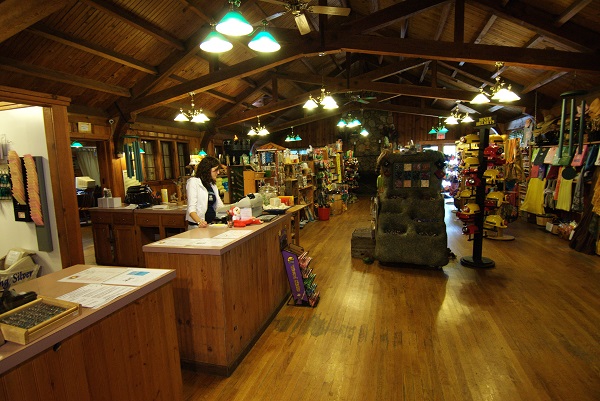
<point>542,219</point>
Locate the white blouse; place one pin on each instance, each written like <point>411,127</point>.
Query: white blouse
<point>197,198</point>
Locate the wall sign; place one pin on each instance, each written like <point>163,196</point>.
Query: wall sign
<point>85,128</point>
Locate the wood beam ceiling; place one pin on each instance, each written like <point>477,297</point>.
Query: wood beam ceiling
<point>542,22</point>
<point>483,54</point>
<point>17,15</point>
<point>131,19</point>
<point>10,65</point>
<point>389,15</point>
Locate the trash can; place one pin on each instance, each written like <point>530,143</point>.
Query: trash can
<point>323,213</point>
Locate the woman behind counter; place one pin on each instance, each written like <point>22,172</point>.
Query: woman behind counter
<point>202,194</point>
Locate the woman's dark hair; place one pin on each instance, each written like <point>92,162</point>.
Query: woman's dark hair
<point>203,169</point>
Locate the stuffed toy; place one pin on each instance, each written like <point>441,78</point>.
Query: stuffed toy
<point>244,223</point>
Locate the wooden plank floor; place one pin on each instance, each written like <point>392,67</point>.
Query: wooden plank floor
<point>529,329</point>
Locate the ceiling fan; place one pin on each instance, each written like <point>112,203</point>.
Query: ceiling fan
<point>299,9</point>
<point>358,98</point>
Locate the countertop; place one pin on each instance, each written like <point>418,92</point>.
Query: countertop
<point>168,245</point>
<point>13,354</point>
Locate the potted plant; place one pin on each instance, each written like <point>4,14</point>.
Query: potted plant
<point>323,207</point>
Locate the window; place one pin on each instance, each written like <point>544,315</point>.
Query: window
<point>167,160</point>
<point>164,159</point>
<point>183,157</point>
<point>148,161</point>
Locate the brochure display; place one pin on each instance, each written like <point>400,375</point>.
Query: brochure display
<point>300,275</point>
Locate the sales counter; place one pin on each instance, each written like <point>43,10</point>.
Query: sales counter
<point>126,350</point>
<point>225,293</point>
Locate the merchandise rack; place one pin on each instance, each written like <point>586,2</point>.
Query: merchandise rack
<point>300,276</point>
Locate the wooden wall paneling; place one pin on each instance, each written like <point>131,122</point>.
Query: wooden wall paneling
<point>194,145</point>
<point>63,185</point>
<point>118,186</point>
<point>158,159</point>
<point>105,155</point>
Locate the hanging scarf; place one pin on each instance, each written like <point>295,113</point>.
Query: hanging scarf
<point>577,204</point>
<point>549,191</point>
<point>514,161</point>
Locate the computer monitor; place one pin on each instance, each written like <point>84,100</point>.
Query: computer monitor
<point>84,182</point>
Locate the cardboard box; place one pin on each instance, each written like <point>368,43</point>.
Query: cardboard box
<point>109,202</point>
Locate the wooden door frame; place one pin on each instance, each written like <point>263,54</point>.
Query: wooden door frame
<point>56,125</point>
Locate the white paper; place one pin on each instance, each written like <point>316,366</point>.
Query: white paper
<point>94,275</point>
<point>233,234</point>
<point>95,295</point>
<point>245,213</point>
<point>11,258</point>
<point>192,243</point>
<point>136,277</point>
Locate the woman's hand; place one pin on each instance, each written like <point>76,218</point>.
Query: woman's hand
<point>202,224</point>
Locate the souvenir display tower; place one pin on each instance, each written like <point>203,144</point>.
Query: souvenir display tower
<point>409,223</point>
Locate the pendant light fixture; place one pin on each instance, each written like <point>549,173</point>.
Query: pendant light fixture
<point>455,117</point>
<point>215,42</point>
<point>348,122</point>
<point>498,92</point>
<point>258,130</point>
<point>76,144</point>
<point>441,128</point>
<point>263,41</point>
<point>292,138</point>
<point>324,100</point>
<point>193,115</point>
<point>234,23</point>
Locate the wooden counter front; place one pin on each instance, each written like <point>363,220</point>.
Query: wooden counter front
<point>120,233</point>
<point>225,296</point>
<point>126,350</point>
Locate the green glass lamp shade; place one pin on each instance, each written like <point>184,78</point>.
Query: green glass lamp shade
<point>234,24</point>
<point>76,144</point>
<point>202,153</point>
<point>354,123</point>
<point>433,131</point>
<point>215,43</point>
<point>264,42</point>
